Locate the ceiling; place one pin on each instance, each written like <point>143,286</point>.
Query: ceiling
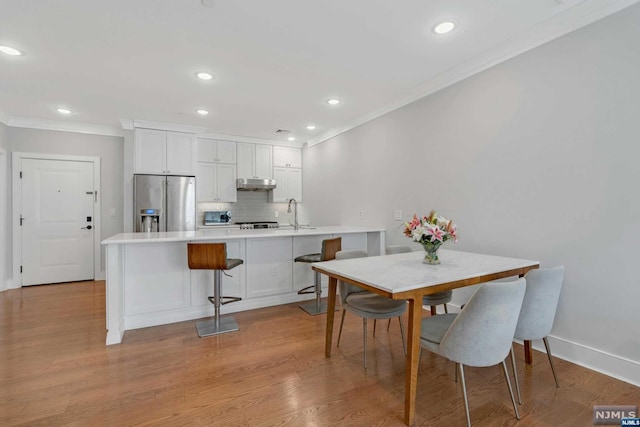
<point>275,63</point>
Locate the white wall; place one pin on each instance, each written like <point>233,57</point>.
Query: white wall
<point>108,148</point>
<point>534,158</point>
<point>4,214</point>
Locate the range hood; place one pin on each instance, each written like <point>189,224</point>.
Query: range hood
<point>244,184</point>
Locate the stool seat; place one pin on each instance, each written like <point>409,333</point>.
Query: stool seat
<point>213,256</point>
<point>309,258</point>
<point>329,249</point>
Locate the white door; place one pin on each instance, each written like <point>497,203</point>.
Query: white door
<point>57,221</point>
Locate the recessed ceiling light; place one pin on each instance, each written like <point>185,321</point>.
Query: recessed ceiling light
<point>311,127</point>
<point>291,138</point>
<point>63,110</point>
<point>333,101</point>
<point>444,27</point>
<point>202,112</point>
<point>208,3</point>
<point>204,76</point>
<point>10,51</point>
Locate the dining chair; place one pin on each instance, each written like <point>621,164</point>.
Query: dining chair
<point>481,334</point>
<point>432,300</point>
<point>366,304</point>
<point>328,252</point>
<point>538,312</point>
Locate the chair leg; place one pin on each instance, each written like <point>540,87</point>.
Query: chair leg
<point>553,369</point>
<point>433,310</point>
<point>374,327</point>
<point>341,323</point>
<point>464,394</point>
<point>506,377</point>
<point>388,324</point>
<point>515,374</point>
<point>445,308</point>
<point>364,330</point>
<point>404,344</point>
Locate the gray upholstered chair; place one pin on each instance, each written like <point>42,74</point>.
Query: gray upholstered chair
<point>481,335</point>
<point>538,312</point>
<point>367,305</point>
<point>433,300</point>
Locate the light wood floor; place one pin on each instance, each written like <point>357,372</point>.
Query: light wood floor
<point>55,370</point>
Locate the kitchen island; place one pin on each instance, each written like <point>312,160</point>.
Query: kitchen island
<point>149,282</point>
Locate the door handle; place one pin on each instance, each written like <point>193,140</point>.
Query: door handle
<point>88,227</point>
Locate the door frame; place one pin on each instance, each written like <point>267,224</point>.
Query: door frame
<point>17,208</point>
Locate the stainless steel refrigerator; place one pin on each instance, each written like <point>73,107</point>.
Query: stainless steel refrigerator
<point>164,203</point>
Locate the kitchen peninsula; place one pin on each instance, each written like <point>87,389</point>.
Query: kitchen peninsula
<point>149,282</point>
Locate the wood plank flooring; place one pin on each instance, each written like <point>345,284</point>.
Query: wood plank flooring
<point>55,370</point>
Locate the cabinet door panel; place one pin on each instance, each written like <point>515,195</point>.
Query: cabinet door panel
<point>269,270</point>
<point>294,184</point>
<point>289,157</point>
<point>226,183</point>
<point>280,193</point>
<point>149,151</point>
<point>206,182</point>
<point>226,152</point>
<point>246,160</point>
<point>263,162</point>
<point>180,153</point>
<point>206,150</point>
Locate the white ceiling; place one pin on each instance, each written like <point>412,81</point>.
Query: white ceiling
<point>275,62</point>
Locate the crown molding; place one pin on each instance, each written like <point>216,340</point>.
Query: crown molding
<point>164,126</point>
<point>573,18</point>
<point>27,122</point>
<point>250,139</point>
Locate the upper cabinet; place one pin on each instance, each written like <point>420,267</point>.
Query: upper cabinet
<point>255,161</point>
<point>216,182</point>
<point>287,157</point>
<point>216,151</point>
<point>288,185</point>
<point>164,153</point>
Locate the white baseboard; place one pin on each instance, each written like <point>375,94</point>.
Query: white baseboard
<point>11,284</point>
<point>601,361</point>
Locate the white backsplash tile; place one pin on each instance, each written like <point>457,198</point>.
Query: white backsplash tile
<point>253,206</point>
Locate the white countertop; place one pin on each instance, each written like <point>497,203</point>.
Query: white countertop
<point>231,233</point>
<point>404,272</point>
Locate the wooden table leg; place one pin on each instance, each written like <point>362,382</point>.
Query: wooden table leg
<point>331,308</point>
<point>528,355</point>
<point>413,354</point>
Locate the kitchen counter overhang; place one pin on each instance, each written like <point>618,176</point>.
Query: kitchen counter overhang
<point>149,282</point>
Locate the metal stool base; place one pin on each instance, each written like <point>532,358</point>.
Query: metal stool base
<point>314,308</point>
<point>207,328</point>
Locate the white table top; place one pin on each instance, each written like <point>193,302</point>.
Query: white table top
<point>405,272</point>
<point>225,234</point>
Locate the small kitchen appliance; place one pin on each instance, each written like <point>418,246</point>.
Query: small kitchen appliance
<point>217,218</point>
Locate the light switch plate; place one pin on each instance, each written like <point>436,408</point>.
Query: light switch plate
<point>397,215</point>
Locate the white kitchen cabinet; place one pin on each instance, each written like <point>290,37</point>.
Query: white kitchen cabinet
<point>164,153</point>
<point>216,182</point>
<point>288,185</point>
<point>287,157</point>
<point>216,151</point>
<point>255,161</point>
<point>269,269</point>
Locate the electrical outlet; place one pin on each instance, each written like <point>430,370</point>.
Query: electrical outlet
<point>112,212</point>
<point>361,213</point>
<point>274,271</point>
<point>275,214</point>
<point>397,215</point>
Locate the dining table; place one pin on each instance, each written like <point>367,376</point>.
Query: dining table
<point>406,277</point>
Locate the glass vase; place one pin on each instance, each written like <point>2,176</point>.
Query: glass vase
<point>431,252</point>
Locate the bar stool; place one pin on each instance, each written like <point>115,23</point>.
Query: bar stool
<point>213,256</point>
<point>329,249</point>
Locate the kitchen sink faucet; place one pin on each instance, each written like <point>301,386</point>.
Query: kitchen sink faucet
<point>295,212</point>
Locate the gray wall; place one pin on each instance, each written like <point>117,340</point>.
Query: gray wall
<point>534,158</point>
<point>108,148</point>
